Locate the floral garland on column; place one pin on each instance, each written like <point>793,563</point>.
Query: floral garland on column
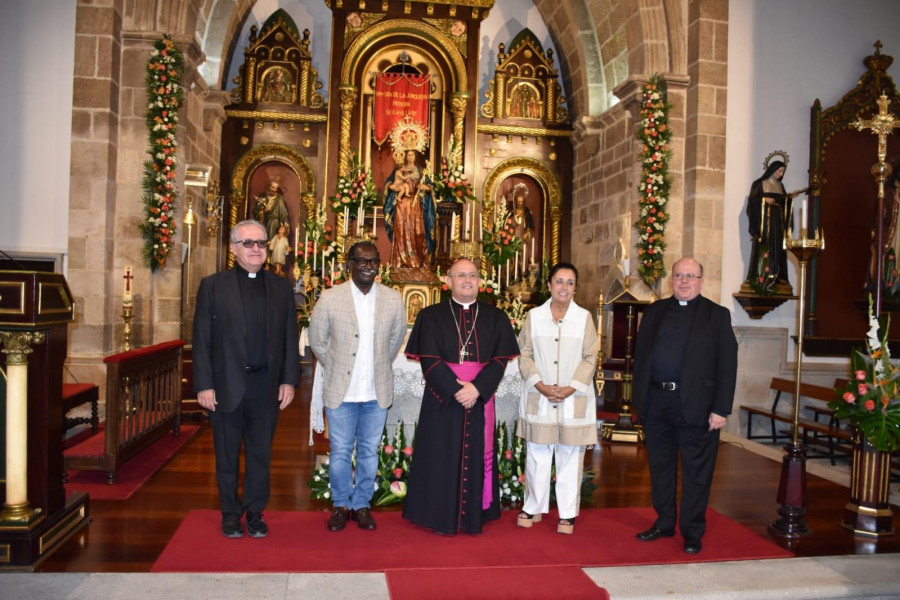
<point>654,134</point>
<point>165,70</point>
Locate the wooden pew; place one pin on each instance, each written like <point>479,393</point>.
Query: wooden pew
<point>814,398</point>
<point>143,402</point>
<point>76,394</point>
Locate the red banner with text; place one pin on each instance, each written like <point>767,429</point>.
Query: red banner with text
<point>397,96</point>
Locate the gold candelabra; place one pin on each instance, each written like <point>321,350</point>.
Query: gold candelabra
<point>465,249</point>
<point>127,316</point>
<point>791,523</point>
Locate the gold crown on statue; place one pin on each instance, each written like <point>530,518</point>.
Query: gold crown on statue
<point>780,153</point>
<point>408,134</point>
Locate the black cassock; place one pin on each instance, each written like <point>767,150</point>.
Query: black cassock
<point>448,470</point>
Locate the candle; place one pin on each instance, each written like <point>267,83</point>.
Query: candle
<point>127,297</point>
<point>626,266</point>
<point>803,215</point>
<point>324,264</point>
<point>507,272</point>
<point>305,243</point>
<point>452,226</point>
<point>532,250</point>
<point>346,219</point>
<point>516,268</point>
<point>296,239</point>
<point>374,219</point>
<point>359,219</point>
<point>314,254</point>
<point>332,270</point>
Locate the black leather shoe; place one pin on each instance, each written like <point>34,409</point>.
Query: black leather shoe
<point>256,527</point>
<point>692,545</point>
<point>231,526</point>
<point>364,518</point>
<point>653,533</point>
<point>338,519</point>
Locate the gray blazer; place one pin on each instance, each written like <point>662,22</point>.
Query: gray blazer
<point>334,339</point>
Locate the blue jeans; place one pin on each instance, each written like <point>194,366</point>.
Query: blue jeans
<point>362,422</point>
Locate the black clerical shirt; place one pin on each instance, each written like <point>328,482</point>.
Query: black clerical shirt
<point>253,300</point>
<point>671,342</point>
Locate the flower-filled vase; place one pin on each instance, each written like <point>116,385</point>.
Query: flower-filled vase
<point>869,511</point>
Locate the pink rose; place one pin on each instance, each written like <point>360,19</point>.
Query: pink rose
<point>508,454</point>
<point>869,405</point>
<point>863,388</point>
<point>860,375</point>
<point>407,451</point>
<point>849,398</point>
<point>388,449</point>
<point>398,473</point>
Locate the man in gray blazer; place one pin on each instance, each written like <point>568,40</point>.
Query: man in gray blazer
<point>355,331</point>
<point>246,364</point>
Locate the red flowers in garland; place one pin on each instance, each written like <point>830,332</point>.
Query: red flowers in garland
<point>165,70</point>
<point>654,134</point>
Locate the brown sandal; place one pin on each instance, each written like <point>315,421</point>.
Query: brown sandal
<point>526,520</point>
<point>566,526</point>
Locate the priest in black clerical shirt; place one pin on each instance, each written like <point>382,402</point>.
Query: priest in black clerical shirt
<point>463,346</point>
<point>246,364</point>
<point>685,367</point>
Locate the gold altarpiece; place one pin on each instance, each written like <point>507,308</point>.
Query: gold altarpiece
<point>518,140</point>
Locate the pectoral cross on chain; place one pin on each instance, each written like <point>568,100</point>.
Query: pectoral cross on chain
<point>882,124</point>
<point>462,355</point>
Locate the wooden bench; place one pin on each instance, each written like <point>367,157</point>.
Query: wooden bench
<point>824,433</point>
<point>143,403</point>
<point>73,396</point>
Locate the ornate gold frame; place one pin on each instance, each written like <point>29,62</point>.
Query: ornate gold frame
<point>430,37</point>
<point>238,197</point>
<point>543,176</point>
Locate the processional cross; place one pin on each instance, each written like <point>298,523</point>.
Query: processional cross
<point>881,124</point>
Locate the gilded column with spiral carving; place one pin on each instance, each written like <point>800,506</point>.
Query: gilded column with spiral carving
<point>303,94</point>
<point>499,95</point>
<point>550,106</point>
<point>458,109</point>
<point>555,218</point>
<point>17,347</point>
<point>349,95</point>
<point>249,79</point>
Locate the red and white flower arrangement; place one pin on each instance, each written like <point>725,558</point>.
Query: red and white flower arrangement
<point>654,135</point>
<point>165,70</point>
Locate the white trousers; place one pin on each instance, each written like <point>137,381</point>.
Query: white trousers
<point>569,469</point>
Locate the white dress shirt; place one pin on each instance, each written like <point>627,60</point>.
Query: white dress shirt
<point>362,379</point>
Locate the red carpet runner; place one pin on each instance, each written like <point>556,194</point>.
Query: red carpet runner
<point>132,473</point>
<point>299,542</point>
<point>494,583</point>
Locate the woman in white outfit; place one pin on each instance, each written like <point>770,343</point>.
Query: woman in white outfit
<point>557,412</point>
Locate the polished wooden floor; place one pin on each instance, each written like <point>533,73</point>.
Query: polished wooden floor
<point>127,536</point>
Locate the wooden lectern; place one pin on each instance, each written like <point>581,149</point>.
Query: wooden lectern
<point>36,518</point>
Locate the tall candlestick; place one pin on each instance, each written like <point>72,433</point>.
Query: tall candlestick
<point>374,219</point>
<point>346,218</point>
<point>359,218</point>
<point>507,272</point>
<point>127,297</point>
<point>305,243</point>
<point>626,266</point>
<point>332,270</point>
<point>315,250</point>
<point>516,269</point>
<point>452,225</point>
<point>532,249</point>
<point>324,263</point>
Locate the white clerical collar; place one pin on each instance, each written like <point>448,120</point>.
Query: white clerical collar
<point>251,275</point>
<point>465,305</point>
<point>682,303</point>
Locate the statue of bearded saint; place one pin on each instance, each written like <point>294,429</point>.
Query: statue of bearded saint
<point>520,216</point>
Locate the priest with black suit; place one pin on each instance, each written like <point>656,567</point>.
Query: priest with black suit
<point>685,370</point>
<point>246,365</point>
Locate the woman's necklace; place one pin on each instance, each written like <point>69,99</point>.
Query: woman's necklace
<point>462,349</point>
